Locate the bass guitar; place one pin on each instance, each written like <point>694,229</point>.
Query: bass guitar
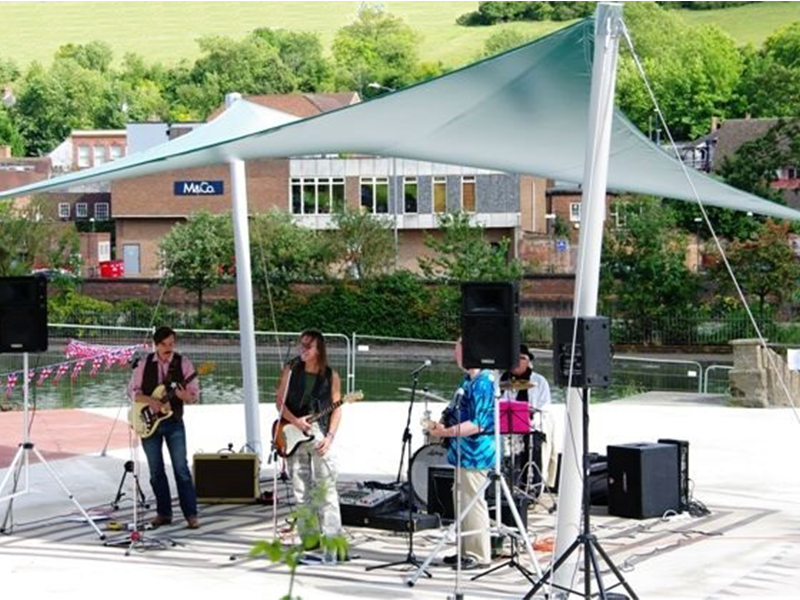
<point>288,438</point>
<point>144,421</point>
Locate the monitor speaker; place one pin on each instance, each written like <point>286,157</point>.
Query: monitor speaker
<point>23,314</point>
<point>683,470</point>
<point>490,325</point>
<point>642,480</point>
<point>226,478</point>
<point>590,365</point>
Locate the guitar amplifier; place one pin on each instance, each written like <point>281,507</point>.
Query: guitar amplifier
<point>226,478</point>
<point>359,506</point>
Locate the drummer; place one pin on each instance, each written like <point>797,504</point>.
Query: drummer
<point>538,398</point>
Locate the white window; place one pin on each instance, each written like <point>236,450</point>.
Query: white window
<point>439,195</point>
<point>103,251</point>
<point>317,195</point>
<point>468,202</point>
<point>84,156</point>
<point>81,210</point>
<point>101,211</point>
<point>375,194</point>
<point>63,210</point>
<point>410,189</point>
<point>99,155</point>
<point>116,152</point>
<point>575,212</point>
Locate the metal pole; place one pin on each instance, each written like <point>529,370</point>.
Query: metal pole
<point>244,292</point>
<point>601,110</point>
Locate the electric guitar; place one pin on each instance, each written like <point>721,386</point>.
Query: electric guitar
<point>144,421</point>
<point>288,438</point>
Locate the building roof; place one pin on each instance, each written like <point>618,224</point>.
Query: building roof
<point>730,136</point>
<point>301,105</point>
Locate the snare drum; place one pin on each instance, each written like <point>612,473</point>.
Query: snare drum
<point>430,455</point>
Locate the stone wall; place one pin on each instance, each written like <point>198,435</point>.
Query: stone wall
<point>757,375</point>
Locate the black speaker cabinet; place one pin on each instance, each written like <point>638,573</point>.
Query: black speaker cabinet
<point>490,325</point>
<point>23,314</point>
<point>226,478</point>
<point>642,480</point>
<point>440,498</point>
<point>591,367</point>
<point>683,470</point>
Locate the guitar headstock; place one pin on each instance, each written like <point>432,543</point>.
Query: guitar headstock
<point>352,397</point>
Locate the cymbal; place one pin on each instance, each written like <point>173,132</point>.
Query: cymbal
<point>516,385</point>
<point>423,393</point>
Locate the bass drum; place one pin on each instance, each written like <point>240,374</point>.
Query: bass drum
<point>430,455</point>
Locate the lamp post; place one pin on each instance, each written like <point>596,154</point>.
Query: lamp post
<point>392,188</point>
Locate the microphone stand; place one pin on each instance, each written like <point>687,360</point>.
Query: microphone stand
<point>410,558</point>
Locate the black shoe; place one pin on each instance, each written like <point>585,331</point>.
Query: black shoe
<point>450,560</point>
<point>469,563</point>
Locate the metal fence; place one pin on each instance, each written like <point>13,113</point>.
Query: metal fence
<point>382,367</point>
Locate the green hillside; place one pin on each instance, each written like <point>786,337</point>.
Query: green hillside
<point>166,31</point>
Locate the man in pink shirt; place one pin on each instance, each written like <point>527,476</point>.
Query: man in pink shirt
<point>165,366</point>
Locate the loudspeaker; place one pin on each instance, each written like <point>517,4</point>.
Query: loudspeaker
<point>591,367</point>
<point>598,478</point>
<point>642,480</point>
<point>23,314</point>
<point>490,325</point>
<point>683,470</point>
<point>440,498</point>
<point>226,478</point>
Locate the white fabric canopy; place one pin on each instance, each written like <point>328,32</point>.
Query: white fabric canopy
<point>525,111</point>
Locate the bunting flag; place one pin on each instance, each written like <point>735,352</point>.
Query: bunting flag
<point>60,371</point>
<point>77,369</point>
<point>80,353</point>
<point>96,364</point>
<point>43,375</point>
<point>10,383</point>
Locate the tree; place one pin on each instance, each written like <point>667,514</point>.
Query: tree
<point>9,71</point>
<point>770,83</point>
<point>693,71</point>
<point>95,56</point>
<point>644,276</point>
<point>9,134</point>
<point>249,66</point>
<point>463,253</point>
<point>363,244</point>
<point>55,101</point>
<point>377,47</point>
<point>765,266</point>
<point>303,55</point>
<point>283,252</point>
<point>32,237</point>
<point>196,255</point>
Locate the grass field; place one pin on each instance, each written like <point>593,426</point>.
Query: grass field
<point>167,31</point>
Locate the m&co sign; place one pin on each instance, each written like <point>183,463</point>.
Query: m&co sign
<point>198,188</point>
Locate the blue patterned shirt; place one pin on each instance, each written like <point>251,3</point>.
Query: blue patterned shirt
<point>477,406</point>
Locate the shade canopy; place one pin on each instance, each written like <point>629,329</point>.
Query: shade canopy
<point>524,111</point>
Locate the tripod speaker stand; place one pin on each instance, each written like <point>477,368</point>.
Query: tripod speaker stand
<point>586,541</point>
<point>22,459</point>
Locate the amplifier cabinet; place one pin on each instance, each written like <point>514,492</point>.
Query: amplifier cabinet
<point>642,480</point>
<point>226,478</point>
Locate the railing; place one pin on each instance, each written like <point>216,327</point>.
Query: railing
<point>711,369</point>
<point>380,366</point>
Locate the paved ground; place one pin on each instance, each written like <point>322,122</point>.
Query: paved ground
<point>742,462</point>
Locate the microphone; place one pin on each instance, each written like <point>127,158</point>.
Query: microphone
<point>422,367</point>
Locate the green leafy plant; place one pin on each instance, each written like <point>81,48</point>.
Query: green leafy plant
<point>307,528</point>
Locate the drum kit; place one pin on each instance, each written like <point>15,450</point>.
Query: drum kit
<point>433,455</point>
